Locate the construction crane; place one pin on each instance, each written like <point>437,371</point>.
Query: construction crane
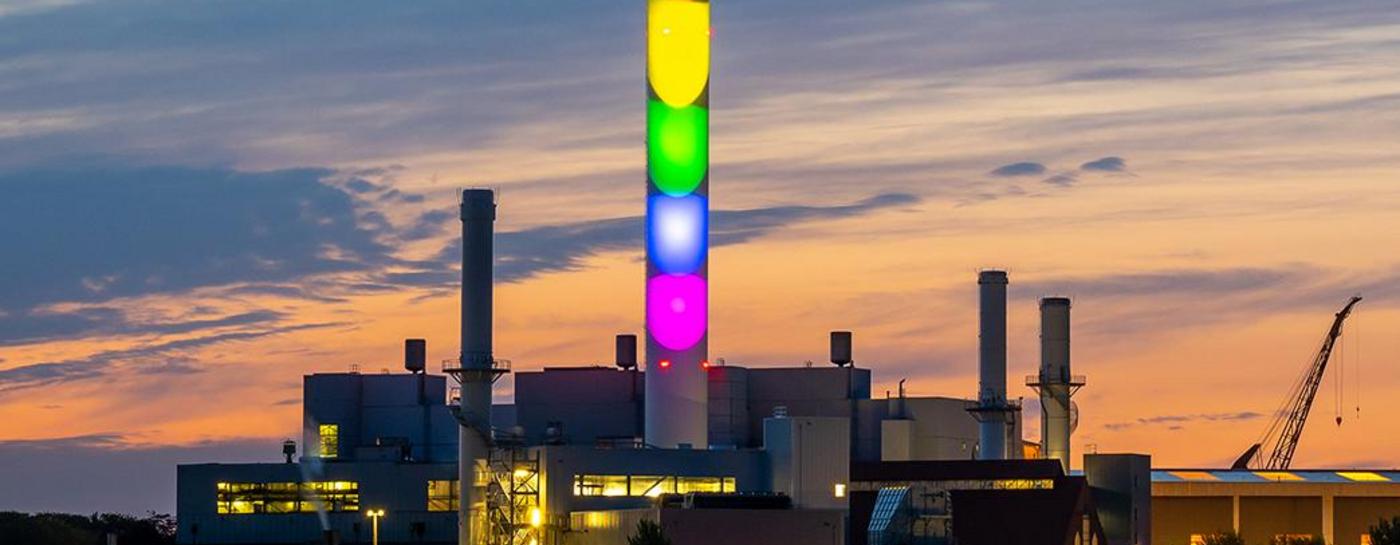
<point>1281,437</point>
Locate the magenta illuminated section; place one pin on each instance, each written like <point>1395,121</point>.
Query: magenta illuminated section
<point>676,310</point>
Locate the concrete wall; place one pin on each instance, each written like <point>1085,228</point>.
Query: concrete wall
<point>753,527</point>
<point>802,463</point>
<point>1175,519</point>
<point>591,403</point>
<point>1355,516</point>
<point>1262,518</point>
<point>711,526</point>
<point>367,407</point>
<point>1339,511</point>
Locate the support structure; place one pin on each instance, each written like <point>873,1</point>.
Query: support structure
<point>677,225</point>
<point>1055,383</point>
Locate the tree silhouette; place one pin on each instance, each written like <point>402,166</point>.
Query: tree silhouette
<point>648,533</point>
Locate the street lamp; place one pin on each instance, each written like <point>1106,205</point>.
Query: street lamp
<point>374,515</point>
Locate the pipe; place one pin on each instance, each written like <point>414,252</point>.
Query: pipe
<point>478,214</point>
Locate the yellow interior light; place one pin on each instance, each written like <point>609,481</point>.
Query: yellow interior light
<point>1279,475</point>
<point>1195,476</point>
<point>840,490</point>
<point>1364,476</point>
<point>678,49</point>
<point>536,517</point>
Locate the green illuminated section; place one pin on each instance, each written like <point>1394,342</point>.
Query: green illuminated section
<point>678,147</point>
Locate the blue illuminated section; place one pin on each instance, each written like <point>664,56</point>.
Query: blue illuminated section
<point>677,232</point>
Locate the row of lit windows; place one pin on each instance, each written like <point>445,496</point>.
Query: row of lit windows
<point>647,485</point>
<point>287,497</point>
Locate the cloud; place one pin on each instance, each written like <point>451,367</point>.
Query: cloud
<point>1065,179</point>
<point>1177,421</point>
<point>1106,164</point>
<point>1018,169</point>
<point>158,358</point>
<point>40,326</point>
<point>554,248</point>
<point>95,234</point>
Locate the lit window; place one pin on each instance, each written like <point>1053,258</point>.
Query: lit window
<point>329,440</point>
<point>651,486</point>
<point>286,497</point>
<point>600,485</point>
<point>443,495</point>
<point>1198,539</point>
<point>840,490</point>
<point>699,484</point>
<point>1365,539</point>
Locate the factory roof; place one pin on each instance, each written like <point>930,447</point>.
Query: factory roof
<point>1296,476</point>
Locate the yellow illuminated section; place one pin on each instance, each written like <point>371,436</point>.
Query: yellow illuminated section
<point>649,486</point>
<point>329,440</point>
<point>1363,476</point>
<point>443,496</point>
<point>1195,476</point>
<point>286,497</point>
<point>678,49</point>
<point>1279,475</point>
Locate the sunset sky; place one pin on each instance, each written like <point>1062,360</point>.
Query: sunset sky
<point>200,202</point>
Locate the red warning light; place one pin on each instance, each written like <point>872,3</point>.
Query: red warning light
<point>665,363</point>
<point>705,364</point>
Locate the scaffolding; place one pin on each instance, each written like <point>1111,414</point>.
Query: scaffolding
<point>513,510</point>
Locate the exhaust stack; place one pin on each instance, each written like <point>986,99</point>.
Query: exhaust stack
<point>476,370</point>
<point>1055,383</point>
<point>992,410</point>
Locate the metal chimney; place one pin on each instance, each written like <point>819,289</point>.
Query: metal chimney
<point>992,410</point>
<point>841,348</point>
<point>476,371</point>
<point>1055,383</point>
<point>415,355</point>
<point>626,352</point>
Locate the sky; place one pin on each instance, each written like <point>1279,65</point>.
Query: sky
<point>204,201</point>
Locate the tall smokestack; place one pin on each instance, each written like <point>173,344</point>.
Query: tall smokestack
<point>992,409</point>
<point>1055,382</point>
<point>677,233</point>
<point>478,213</point>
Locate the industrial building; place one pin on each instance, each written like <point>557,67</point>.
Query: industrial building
<point>1338,506</point>
<point>718,452</point>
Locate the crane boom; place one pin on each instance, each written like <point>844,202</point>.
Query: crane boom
<point>1290,421</point>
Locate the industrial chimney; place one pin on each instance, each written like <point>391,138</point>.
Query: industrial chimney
<point>476,371</point>
<point>415,355</point>
<point>841,348</point>
<point>1055,383</point>
<point>992,410</point>
<point>626,352</point>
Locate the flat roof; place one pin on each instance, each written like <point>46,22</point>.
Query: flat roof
<point>1329,476</point>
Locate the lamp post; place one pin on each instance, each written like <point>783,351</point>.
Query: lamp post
<point>374,515</point>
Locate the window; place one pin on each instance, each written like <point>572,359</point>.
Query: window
<point>330,440</point>
<point>1198,539</point>
<point>443,495</point>
<point>651,486</point>
<point>1365,539</point>
<point>286,497</point>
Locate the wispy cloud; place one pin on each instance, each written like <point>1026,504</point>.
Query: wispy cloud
<point>1026,168</point>
<point>1178,421</point>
